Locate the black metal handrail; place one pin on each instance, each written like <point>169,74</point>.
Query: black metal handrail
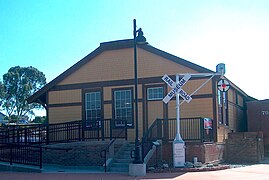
<point>103,153</point>
<point>122,129</point>
<point>150,137</point>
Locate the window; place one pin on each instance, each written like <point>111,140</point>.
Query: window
<point>123,107</point>
<point>155,93</point>
<point>93,109</point>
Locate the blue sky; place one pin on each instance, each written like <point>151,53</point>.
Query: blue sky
<point>53,35</point>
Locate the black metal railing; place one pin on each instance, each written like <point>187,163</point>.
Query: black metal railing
<point>25,153</point>
<point>23,134</point>
<point>118,129</point>
<point>191,130</point>
<point>21,154</point>
<point>63,132</point>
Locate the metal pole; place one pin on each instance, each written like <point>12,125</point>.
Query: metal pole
<point>137,159</point>
<point>178,143</point>
<point>177,107</point>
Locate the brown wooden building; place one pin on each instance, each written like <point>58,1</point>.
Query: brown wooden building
<point>101,85</point>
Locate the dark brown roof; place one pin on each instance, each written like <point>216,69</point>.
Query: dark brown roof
<point>40,96</point>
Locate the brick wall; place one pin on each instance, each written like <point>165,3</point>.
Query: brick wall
<point>205,152</point>
<point>81,154</point>
<point>244,147</point>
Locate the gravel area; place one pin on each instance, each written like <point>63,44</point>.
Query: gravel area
<point>190,167</point>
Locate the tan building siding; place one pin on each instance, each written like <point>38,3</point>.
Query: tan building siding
<point>240,100</point>
<point>222,133</point>
<point>64,114</point>
<point>110,65</point>
<point>118,64</point>
<point>64,96</point>
<point>108,111</point>
<point>107,93</point>
<point>151,65</point>
<point>192,85</point>
<point>196,108</point>
<point>155,110</point>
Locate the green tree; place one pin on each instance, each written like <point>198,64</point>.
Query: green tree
<point>40,119</point>
<point>1,93</point>
<point>18,84</point>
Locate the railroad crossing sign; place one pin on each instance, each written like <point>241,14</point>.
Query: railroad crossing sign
<point>223,85</point>
<point>178,143</point>
<point>176,88</point>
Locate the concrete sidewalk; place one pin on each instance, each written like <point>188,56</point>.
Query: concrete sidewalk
<point>257,171</point>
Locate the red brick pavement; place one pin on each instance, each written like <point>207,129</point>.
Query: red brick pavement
<point>258,171</point>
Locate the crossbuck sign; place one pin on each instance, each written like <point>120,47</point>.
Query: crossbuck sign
<point>176,88</point>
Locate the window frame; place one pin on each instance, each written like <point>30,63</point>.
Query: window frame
<point>114,106</point>
<point>155,98</point>
<point>100,108</point>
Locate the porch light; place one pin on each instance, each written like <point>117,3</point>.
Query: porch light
<point>140,39</point>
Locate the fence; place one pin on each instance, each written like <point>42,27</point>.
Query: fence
<point>191,129</point>
<point>34,134</point>
<point>21,154</point>
<point>62,132</point>
<point>15,138</point>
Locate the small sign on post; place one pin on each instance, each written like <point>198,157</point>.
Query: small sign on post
<point>208,123</point>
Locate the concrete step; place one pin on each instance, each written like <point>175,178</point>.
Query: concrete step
<point>117,160</point>
<point>126,156</point>
<point>125,153</point>
<point>119,169</point>
<point>116,164</point>
<point>123,159</point>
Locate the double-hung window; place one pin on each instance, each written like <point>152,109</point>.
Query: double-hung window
<point>123,107</point>
<point>93,109</point>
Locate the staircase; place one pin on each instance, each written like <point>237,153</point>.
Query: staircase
<point>122,159</point>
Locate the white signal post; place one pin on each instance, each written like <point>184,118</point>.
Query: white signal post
<point>178,143</point>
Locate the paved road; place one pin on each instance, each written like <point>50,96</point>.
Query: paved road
<point>258,171</point>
